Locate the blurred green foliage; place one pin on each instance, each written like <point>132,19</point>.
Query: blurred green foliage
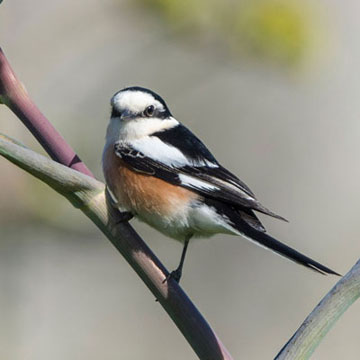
<point>274,29</point>
<point>186,15</point>
<point>277,30</point>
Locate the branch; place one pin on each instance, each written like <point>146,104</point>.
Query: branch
<point>87,194</point>
<point>303,343</point>
<point>14,95</point>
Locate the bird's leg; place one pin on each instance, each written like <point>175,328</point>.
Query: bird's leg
<point>176,274</point>
<point>123,216</point>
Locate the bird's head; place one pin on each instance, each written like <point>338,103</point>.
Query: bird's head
<point>137,112</point>
<point>134,103</point>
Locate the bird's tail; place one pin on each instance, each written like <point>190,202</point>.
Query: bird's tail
<point>266,241</point>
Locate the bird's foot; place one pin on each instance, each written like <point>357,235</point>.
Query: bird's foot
<point>124,216</point>
<point>175,274</point>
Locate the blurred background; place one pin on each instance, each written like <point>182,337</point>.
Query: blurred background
<point>271,86</point>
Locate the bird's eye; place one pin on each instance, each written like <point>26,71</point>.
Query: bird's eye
<point>149,111</point>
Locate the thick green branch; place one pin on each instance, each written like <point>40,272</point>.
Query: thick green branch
<point>88,194</point>
<point>323,317</point>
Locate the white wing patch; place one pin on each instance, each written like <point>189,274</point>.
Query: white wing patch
<point>154,148</point>
<point>207,163</point>
<point>195,183</point>
<point>157,150</point>
<point>235,188</point>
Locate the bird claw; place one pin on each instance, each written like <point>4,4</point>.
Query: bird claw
<point>124,217</point>
<point>175,274</point>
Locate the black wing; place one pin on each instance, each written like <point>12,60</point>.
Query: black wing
<point>213,182</point>
<point>218,186</point>
<point>192,147</point>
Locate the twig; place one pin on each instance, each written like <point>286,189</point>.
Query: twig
<point>88,195</point>
<point>303,343</point>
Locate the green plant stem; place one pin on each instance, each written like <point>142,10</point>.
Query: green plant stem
<point>309,335</point>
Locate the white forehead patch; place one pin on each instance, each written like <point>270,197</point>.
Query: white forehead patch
<point>134,101</point>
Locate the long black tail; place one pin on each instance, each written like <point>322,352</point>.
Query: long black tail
<point>265,240</point>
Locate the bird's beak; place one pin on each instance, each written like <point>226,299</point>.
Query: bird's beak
<point>126,115</point>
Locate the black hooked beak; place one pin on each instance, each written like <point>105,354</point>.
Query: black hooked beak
<point>124,115</point>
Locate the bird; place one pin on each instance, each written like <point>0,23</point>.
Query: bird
<point>157,170</point>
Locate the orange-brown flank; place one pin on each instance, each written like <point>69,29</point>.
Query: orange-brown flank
<point>140,192</point>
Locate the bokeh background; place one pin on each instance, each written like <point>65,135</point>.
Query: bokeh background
<point>271,86</point>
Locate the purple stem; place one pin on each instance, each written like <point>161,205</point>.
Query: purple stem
<point>18,100</point>
<point>183,312</point>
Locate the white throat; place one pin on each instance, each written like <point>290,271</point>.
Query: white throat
<point>128,130</point>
